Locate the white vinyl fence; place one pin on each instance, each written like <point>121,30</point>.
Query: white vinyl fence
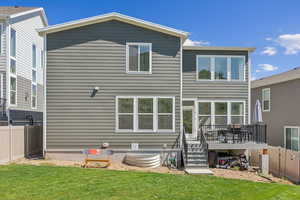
<point>19,141</point>
<point>282,162</point>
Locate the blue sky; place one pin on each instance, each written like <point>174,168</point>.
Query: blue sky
<point>273,27</point>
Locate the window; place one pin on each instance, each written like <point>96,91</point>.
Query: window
<point>13,82</point>
<point>12,43</point>
<point>125,113</point>
<point>140,114</point>
<point>203,66</point>
<point>1,32</point>
<point>165,113</point>
<point>139,57</point>
<point>34,79</point>
<point>237,113</point>
<point>221,112</point>
<point>204,113</point>
<point>145,113</point>
<point>266,99</point>
<point>291,138</point>
<point>237,68</point>
<point>42,59</point>
<point>220,68</point>
<point>231,68</point>
<point>13,69</point>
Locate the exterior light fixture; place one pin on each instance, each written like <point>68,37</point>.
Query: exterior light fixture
<point>94,92</point>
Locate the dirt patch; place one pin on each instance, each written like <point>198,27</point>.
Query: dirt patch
<point>250,175</point>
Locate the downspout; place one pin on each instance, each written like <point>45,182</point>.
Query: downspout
<point>44,92</point>
<point>181,111</point>
<point>249,88</point>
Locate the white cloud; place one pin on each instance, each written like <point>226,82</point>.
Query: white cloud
<point>268,38</point>
<point>291,43</point>
<point>266,67</point>
<point>258,70</point>
<point>270,51</point>
<point>189,42</point>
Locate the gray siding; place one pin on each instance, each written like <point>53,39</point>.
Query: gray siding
<point>285,110</point>
<point>3,50</point>
<point>211,90</point>
<point>95,55</point>
<point>23,90</point>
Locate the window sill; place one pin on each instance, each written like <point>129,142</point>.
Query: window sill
<point>138,73</point>
<point>144,132</point>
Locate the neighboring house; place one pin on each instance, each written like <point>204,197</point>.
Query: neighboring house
<point>148,85</point>
<point>21,64</point>
<point>280,96</point>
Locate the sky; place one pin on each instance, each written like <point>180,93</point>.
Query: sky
<point>272,26</point>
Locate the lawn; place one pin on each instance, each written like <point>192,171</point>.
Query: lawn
<point>24,182</point>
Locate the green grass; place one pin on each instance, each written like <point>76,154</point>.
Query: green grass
<point>24,182</point>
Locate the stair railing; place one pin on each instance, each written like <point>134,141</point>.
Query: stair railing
<point>201,137</point>
<point>184,147</point>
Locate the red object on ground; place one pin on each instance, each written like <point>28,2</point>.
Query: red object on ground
<point>93,151</point>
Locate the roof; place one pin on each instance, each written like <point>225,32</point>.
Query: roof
<point>16,11</point>
<point>250,49</point>
<point>113,16</point>
<point>278,78</point>
<point>11,10</point>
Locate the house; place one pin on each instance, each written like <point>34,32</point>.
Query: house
<point>131,83</point>
<point>21,64</point>
<point>279,96</point>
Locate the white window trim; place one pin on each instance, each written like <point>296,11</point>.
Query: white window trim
<point>263,99</point>
<point>212,67</point>
<point>297,127</point>
<point>127,58</point>
<point>9,64</point>
<point>135,115</point>
<point>36,76</point>
<point>212,107</point>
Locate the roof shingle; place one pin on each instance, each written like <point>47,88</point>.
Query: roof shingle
<point>10,10</point>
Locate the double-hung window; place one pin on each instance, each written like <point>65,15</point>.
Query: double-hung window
<point>221,112</point>
<point>291,138</point>
<point>231,68</point>
<point>125,113</point>
<point>34,78</point>
<point>13,69</point>
<point>204,113</point>
<point>237,112</point>
<point>266,99</point>
<point>138,58</point>
<point>165,113</point>
<point>145,114</point>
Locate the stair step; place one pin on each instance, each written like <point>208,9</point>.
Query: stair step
<point>196,156</point>
<point>197,162</point>
<point>197,165</point>
<point>204,171</point>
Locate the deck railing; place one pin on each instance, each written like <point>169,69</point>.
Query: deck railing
<point>234,134</point>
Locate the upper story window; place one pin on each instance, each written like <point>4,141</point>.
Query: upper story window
<point>13,43</point>
<point>34,78</point>
<point>231,68</point>
<point>266,99</point>
<point>1,33</point>
<point>138,57</point>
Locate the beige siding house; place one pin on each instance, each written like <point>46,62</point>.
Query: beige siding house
<point>280,96</point>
